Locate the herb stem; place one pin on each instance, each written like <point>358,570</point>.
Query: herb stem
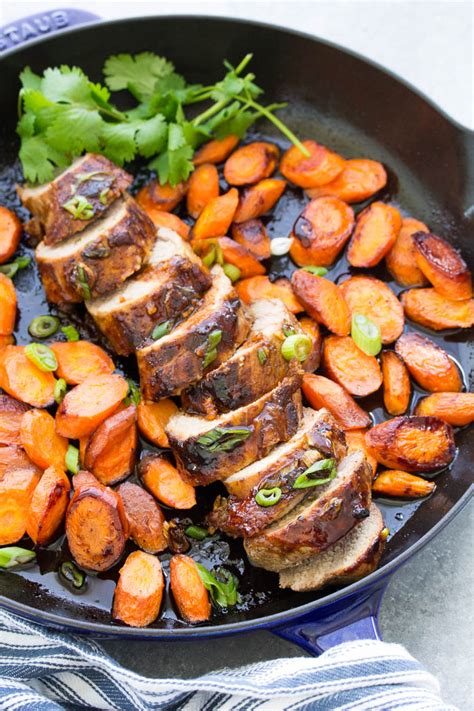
<point>210,112</point>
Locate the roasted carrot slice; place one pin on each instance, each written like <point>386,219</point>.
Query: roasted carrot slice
<point>203,187</point>
<point>428,363</point>
<point>83,478</point>
<point>79,360</point>
<point>16,489</point>
<point>430,309</point>
<point>217,216</point>
<point>7,305</point>
<point>21,379</point>
<point>394,482</point>
<point>417,444</point>
<point>110,451</point>
<point>40,440</point>
<point>235,254</point>
<point>260,287</point>
<point>396,383</point>
<point>443,266</point>
<point>166,484</point>
<point>6,341</point>
<point>139,591</point>
<point>13,457</point>
<point>161,197</point>
<point>401,259</point>
<point>258,199</point>
<point>323,301</point>
<point>359,180</point>
<point>145,518</point>
<point>160,218</point>
<point>216,151</point>
<point>322,392</point>
<point>48,506</point>
<point>319,168</point>
<point>88,404</point>
<point>189,593</point>
<point>355,439</point>
<point>311,328</point>
<point>375,233</point>
<point>251,163</point>
<point>253,235</point>
<point>454,408</point>
<point>321,231</point>
<point>152,419</point>
<point>10,233</point>
<point>11,415</point>
<point>96,525</point>
<point>372,298</point>
<point>345,363</point>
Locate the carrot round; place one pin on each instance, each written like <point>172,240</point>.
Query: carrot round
<point>139,591</point>
<point>16,489</point>
<point>79,360</point>
<point>321,231</point>
<point>160,218</point>
<point>454,408</point>
<point>216,217</point>
<point>203,187</point>
<point>7,305</point>
<point>443,266</point>
<point>11,416</point>
<point>10,233</point>
<point>394,482</point>
<point>322,392</point>
<point>401,259</point>
<point>251,163</point>
<point>145,518</point>
<point>430,309</point>
<point>110,450</point>
<point>13,457</point>
<point>359,179</point>
<point>216,151</point>
<point>6,341</point>
<point>44,446</point>
<point>260,287</point>
<point>319,168</point>
<point>372,298</point>
<point>152,418</point>
<point>258,199</point>
<point>88,404</point>
<point>323,301</point>
<point>166,484</point>
<point>161,197</point>
<point>428,363</point>
<point>48,506</point>
<point>21,379</point>
<point>353,369</point>
<point>355,439</point>
<point>375,233</point>
<point>396,383</point>
<point>189,593</point>
<point>253,235</point>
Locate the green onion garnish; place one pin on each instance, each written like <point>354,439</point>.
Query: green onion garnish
<point>13,555</point>
<point>197,532</point>
<point>318,271</point>
<point>223,592</point>
<point>11,268</point>
<point>72,459</point>
<point>71,333</point>
<point>366,334</point>
<point>213,340</point>
<point>162,329</point>
<point>72,574</point>
<point>305,480</point>
<point>60,388</point>
<point>223,439</point>
<point>42,356</point>
<point>79,207</point>
<point>134,394</point>
<point>298,346</point>
<point>80,275</point>
<point>268,497</point>
<point>210,257</point>
<point>43,326</point>
<point>262,355</point>
<point>231,271</point>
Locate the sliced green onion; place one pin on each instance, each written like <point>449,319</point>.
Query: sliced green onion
<point>60,388</point>
<point>219,255</point>
<point>306,480</point>
<point>81,279</point>
<point>197,532</point>
<point>223,592</point>
<point>268,497</point>
<point>288,330</point>
<point>318,271</point>
<point>366,334</point>
<point>297,346</point>
<point>210,357</point>
<point>103,199</point>
<point>71,333</point>
<point>162,329</point>
<point>93,175</point>
<point>43,326</point>
<point>72,574</point>
<point>262,355</point>
<point>79,207</point>
<point>210,257</point>
<point>134,394</point>
<point>13,555</point>
<point>223,439</point>
<point>42,356</point>
<point>231,271</point>
<point>11,268</point>
<point>214,338</point>
<point>72,459</point>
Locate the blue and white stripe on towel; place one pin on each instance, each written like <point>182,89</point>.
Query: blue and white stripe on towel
<point>46,670</point>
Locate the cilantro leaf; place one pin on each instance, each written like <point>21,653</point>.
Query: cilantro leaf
<point>67,85</point>
<point>39,160</point>
<point>30,80</point>
<point>151,136</point>
<point>137,73</point>
<point>118,140</point>
<point>75,130</point>
<point>237,124</point>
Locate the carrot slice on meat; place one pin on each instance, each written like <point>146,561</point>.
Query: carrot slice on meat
<point>7,305</point>
<point>375,233</point>
<point>251,163</point>
<point>454,408</point>
<point>203,187</point>
<point>401,259</point>
<point>40,440</point>
<point>11,415</point>
<point>355,439</point>
<point>353,369</point>
<point>216,151</point>
<point>428,363</point>
<point>165,482</point>
<point>396,383</point>
<point>253,235</point>
<point>443,266</point>
<point>319,168</point>
<point>139,591</point>
<point>145,518</point>
<point>216,217</point>
<point>16,489</point>
<point>323,301</point>
<point>10,233</point>
<point>322,392</point>
<point>394,482</point>
<point>430,309</point>
<point>161,197</point>
<point>359,179</point>
<point>258,199</point>
<point>372,298</point>
<point>160,218</point>
<point>152,419</point>
<point>260,287</point>
<point>110,451</point>
<point>79,360</point>
<point>21,379</point>
<point>321,231</point>
<point>189,593</point>
<point>48,506</point>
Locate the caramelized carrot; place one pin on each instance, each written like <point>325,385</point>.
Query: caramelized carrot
<point>12,458</point>
<point>48,506</point>
<point>347,365</point>
<point>217,216</point>
<point>166,484</point>
<point>430,309</point>
<point>10,232</point>
<point>322,392</point>
<point>321,167</point>
<point>152,419</point>
<point>161,197</point>
<point>372,298</point>
<point>376,230</point>
<point>189,593</point>
<point>359,180</point>
<point>260,287</point>
<point>311,328</point>
<point>396,383</point>
<point>253,235</point>
<point>355,439</point>
<point>139,590</point>
<point>323,301</point>
<point>16,489</point>
<point>40,440</point>
<point>21,379</point>
<point>110,451</point>
<point>160,218</point>
<point>216,151</point>
<point>394,482</point>
<point>88,404</point>
<point>321,231</point>
<point>443,266</point>
<point>6,341</point>
<point>428,363</point>
<point>79,360</point>
<point>11,415</point>
<point>258,199</point>
<point>240,257</point>
<point>203,187</point>
<point>7,305</point>
<point>401,259</point>
<point>251,163</point>
<point>145,518</point>
<point>454,408</point>
<point>83,478</point>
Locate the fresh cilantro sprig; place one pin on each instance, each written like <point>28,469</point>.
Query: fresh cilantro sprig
<point>63,114</point>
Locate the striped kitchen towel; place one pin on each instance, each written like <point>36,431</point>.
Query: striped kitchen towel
<point>45,670</point>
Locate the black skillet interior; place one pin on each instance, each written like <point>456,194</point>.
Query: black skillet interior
<point>342,101</point>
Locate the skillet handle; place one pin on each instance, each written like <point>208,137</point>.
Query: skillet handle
<point>353,618</point>
<point>32,27</point>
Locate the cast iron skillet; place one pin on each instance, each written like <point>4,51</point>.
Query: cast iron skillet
<point>359,110</point>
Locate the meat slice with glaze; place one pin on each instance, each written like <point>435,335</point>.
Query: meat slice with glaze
<point>168,289</point>
<point>91,180</point>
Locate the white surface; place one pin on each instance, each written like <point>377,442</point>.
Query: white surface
<point>430,44</point>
